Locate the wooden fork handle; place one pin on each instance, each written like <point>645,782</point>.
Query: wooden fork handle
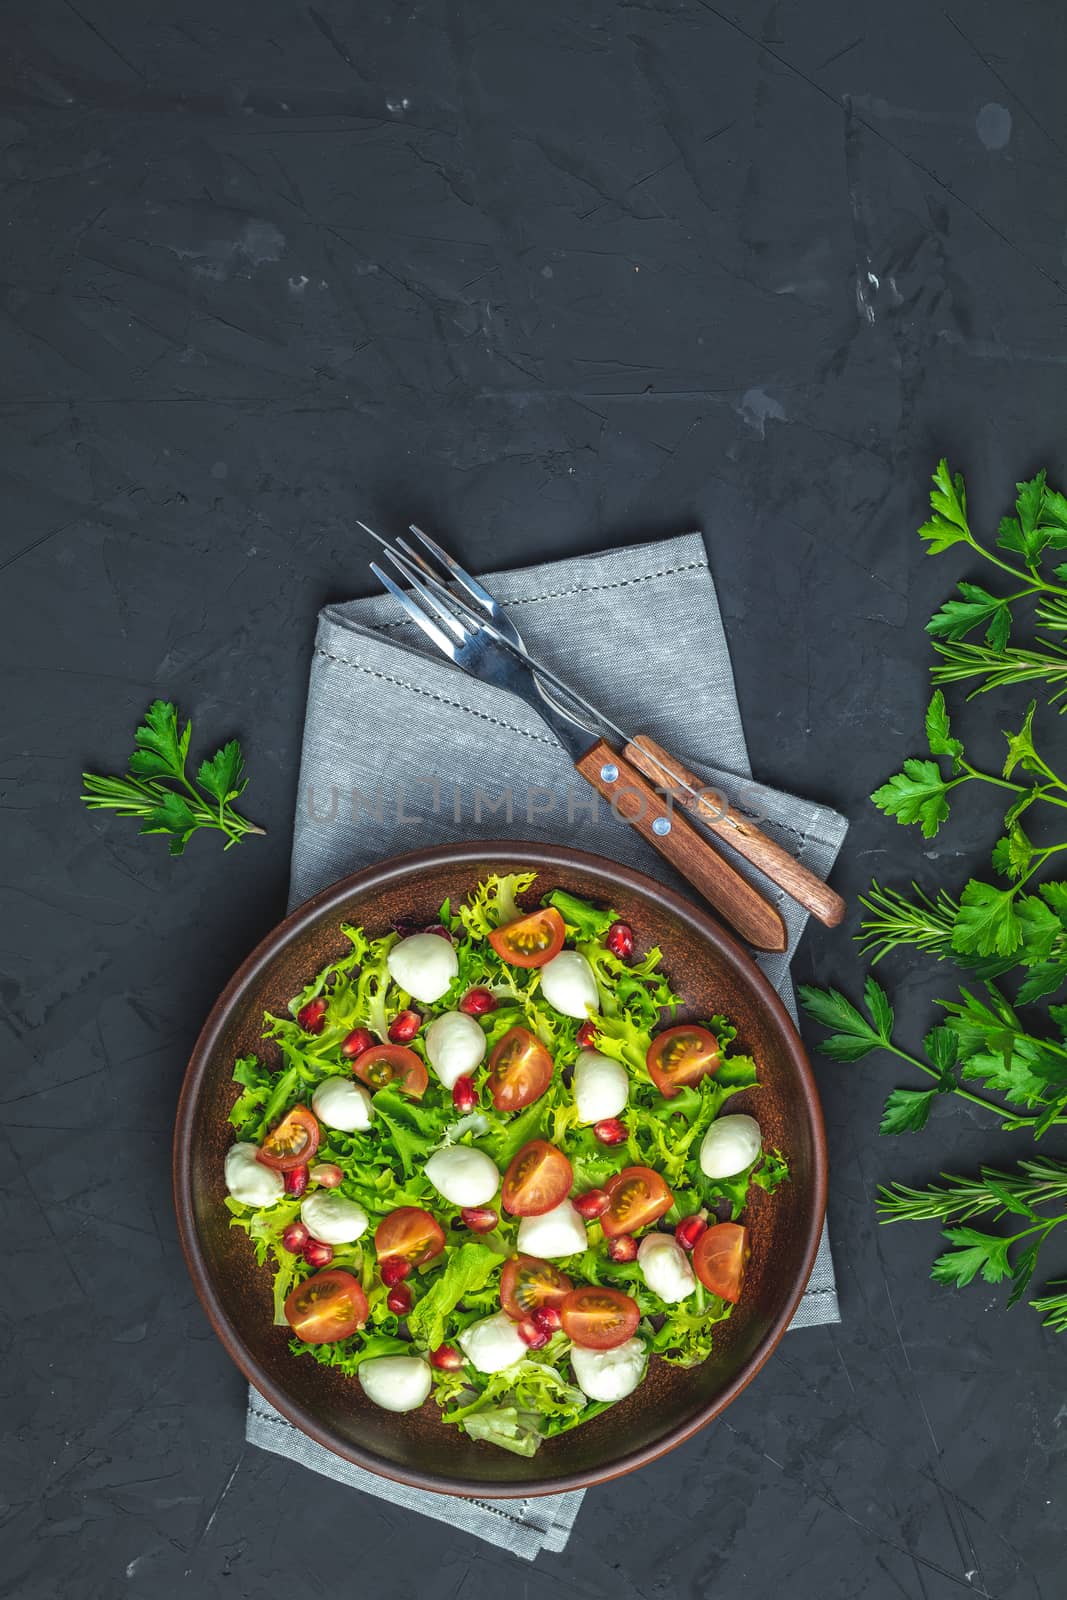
<point>737,830</point>
<point>667,831</point>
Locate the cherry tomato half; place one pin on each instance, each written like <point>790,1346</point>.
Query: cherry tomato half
<point>538,1178</point>
<point>637,1197</point>
<point>409,1234</point>
<point>329,1306</point>
<point>681,1055</point>
<point>292,1143</point>
<point>392,1063</point>
<point>720,1259</point>
<point>599,1319</point>
<point>520,1070</point>
<point>531,941</point>
<point>527,1283</point>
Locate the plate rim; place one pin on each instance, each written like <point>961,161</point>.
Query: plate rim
<point>378,875</point>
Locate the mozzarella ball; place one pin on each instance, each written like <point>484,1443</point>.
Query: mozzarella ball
<point>559,1232</point>
<point>609,1374</point>
<point>423,965</point>
<point>665,1267</point>
<point>465,1177</point>
<point>248,1180</point>
<point>601,1086</point>
<point>455,1045</point>
<point>396,1383</point>
<point>568,984</point>
<point>340,1103</point>
<point>493,1343</point>
<point>331,1218</point>
<point>730,1145</point>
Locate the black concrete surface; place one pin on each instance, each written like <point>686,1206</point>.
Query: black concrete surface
<point>549,277</point>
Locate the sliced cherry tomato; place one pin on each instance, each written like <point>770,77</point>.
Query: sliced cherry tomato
<point>532,940</point>
<point>331,1305</point>
<point>528,1283</point>
<point>292,1143</point>
<point>392,1063</point>
<point>637,1197</point>
<point>720,1259</point>
<point>682,1055</point>
<point>408,1234</point>
<point>599,1319</point>
<point>520,1070</point>
<point>538,1178</point>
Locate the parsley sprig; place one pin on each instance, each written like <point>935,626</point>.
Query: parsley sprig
<point>158,789</point>
<point>976,1043</point>
<point>995,1256</point>
<point>1008,931</point>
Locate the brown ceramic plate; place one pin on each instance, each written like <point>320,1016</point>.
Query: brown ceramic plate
<point>712,972</point>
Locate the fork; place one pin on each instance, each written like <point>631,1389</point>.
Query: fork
<point>473,646</point>
<point>669,774</point>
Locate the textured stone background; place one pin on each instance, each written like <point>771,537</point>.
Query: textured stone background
<point>548,277</point>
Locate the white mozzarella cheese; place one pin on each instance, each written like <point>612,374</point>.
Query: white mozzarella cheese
<point>248,1180</point>
<point>557,1233</point>
<point>493,1343</point>
<point>423,965</point>
<point>730,1145</point>
<point>665,1267</point>
<point>465,1177</point>
<point>342,1104</point>
<point>568,984</point>
<point>332,1218</point>
<point>609,1374</point>
<point>455,1046</point>
<point>396,1383</point>
<point>601,1086</point>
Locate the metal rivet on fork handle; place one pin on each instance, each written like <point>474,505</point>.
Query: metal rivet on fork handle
<point>661,825</point>
<point>609,772</point>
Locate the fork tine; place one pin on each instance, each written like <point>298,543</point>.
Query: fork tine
<point>415,612</point>
<point>426,596</point>
<point>480,596</point>
<point>458,605</point>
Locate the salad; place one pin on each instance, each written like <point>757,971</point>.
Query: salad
<point>491,1165</point>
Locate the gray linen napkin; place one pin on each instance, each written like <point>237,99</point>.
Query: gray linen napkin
<point>402,751</point>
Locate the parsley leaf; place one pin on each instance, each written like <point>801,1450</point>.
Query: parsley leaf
<point>957,618</point>
<point>917,794</point>
<point>948,503</point>
<point>906,1110</point>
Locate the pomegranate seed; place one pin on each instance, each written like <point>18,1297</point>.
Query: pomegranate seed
<point>446,1358</point>
<point>393,1270</point>
<point>404,1027</point>
<point>441,931</point>
<point>312,1017</point>
<point>623,1247</point>
<point>480,1219</point>
<point>689,1230</point>
<point>356,1042</point>
<point>533,1337</point>
<point>295,1238</point>
<point>296,1180</point>
<point>620,940</point>
<point>317,1254</point>
<point>464,1095</point>
<point>399,1300</point>
<point>593,1203</point>
<point>327,1174</point>
<point>548,1319</point>
<point>478,1002</point>
<point>610,1130</point>
<point>586,1034</point>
